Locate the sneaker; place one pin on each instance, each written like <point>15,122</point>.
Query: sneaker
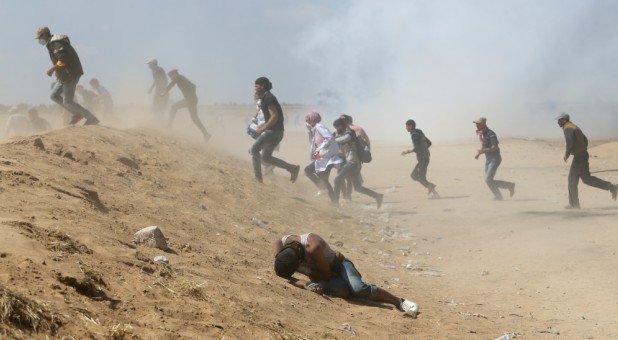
<point>512,190</point>
<point>408,307</point>
<point>614,191</point>
<point>294,173</point>
<point>76,118</point>
<point>92,121</point>
<point>380,199</point>
<point>431,189</point>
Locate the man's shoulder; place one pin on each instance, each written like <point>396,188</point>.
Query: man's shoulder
<point>489,132</point>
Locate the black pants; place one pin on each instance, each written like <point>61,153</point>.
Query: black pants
<point>419,173</point>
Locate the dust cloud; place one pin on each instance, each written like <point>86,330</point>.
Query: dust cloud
<point>445,63</point>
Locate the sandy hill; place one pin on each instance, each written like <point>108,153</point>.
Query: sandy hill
<point>73,198</point>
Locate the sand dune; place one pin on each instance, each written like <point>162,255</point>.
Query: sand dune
<point>73,198</point>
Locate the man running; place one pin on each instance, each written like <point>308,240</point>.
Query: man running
<point>189,92</point>
<point>577,145</point>
<point>421,146</point>
<point>269,134</point>
<point>68,70</point>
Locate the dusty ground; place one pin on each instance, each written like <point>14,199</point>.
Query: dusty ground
<point>478,268</point>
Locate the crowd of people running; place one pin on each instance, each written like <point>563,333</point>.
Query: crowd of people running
<point>344,148</point>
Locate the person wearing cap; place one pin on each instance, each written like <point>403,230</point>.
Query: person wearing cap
<point>346,138</point>
<point>489,147</point>
<point>329,271</point>
<point>68,70</point>
<point>189,92</point>
<point>421,146</point>
<point>159,85</point>
<point>269,134</point>
<point>577,145</point>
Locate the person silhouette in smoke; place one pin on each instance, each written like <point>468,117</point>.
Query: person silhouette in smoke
<point>189,92</point>
<point>159,85</point>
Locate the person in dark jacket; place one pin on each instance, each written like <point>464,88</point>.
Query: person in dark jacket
<point>577,145</point>
<point>188,90</point>
<point>421,146</point>
<point>68,70</point>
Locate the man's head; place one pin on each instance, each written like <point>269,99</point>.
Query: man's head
<point>348,119</point>
<point>94,82</point>
<point>340,125</point>
<point>313,118</point>
<point>410,125</point>
<point>262,85</point>
<point>288,259</point>
<point>563,118</point>
<point>173,74</point>
<point>43,35</point>
<point>480,122</point>
<point>152,62</point>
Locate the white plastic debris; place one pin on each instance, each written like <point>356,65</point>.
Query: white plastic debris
<point>161,259</point>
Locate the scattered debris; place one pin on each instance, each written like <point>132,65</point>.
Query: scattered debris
<point>549,332</point>
<point>476,315</point>
<point>161,259</point>
<point>258,222</point>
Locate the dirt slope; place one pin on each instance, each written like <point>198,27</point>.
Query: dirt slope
<point>73,198</point>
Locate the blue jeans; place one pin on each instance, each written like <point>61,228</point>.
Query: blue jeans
<point>68,90</point>
<point>491,167</point>
<point>262,150</point>
<point>352,171</point>
<point>348,283</point>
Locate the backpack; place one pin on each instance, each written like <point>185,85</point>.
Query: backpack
<point>364,153</point>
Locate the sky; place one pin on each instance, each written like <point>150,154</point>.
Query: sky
<point>442,63</point>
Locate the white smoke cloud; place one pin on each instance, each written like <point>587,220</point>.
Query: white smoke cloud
<point>444,63</point>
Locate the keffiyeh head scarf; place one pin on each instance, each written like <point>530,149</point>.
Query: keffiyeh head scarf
<point>313,118</point>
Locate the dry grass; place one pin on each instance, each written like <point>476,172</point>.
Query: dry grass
<point>22,313</point>
<point>121,332</point>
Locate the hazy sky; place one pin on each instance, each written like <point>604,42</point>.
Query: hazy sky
<point>437,61</point>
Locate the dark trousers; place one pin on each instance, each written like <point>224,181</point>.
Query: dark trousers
<point>352,171</point>
<point>191,105</point>
<point>262,150</point>
<point>419,173</point>
<point>321,178</point>
<point>580,168</point>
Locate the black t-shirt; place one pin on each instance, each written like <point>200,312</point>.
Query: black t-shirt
<point>270,100</point>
